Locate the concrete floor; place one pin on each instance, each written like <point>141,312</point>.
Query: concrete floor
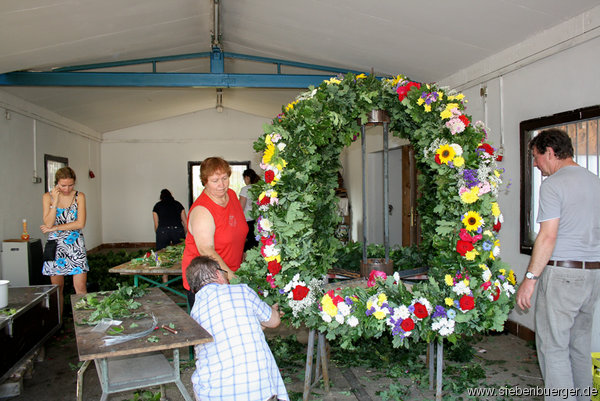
<point>507,360</point>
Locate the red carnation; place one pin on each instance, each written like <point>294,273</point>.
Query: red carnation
<point>464,119</point>
<point>300,292</point>
<point>497,294</point>
<point>497,226</point>
<point>421,311</point>
<point>337,299</point>
<point>463,247</point>
<point>270,240</point>
<point>269,176</point>
<point>264,201</point>
<point>466,302</point>
<point>274,267</point>
<point>403,90</point>
<point>437,159</point>
<point>487,148</point>
<point>407,324</point>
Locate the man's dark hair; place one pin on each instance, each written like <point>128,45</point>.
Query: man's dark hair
<point>202,270</point>
<point>554,138</point>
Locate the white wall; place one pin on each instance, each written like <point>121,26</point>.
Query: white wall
<point>138,162</point>
<point>20,198</point>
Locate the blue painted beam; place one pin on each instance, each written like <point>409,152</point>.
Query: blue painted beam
<point>140,79</point>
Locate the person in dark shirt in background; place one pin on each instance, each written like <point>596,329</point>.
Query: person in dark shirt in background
<point>169,221</point>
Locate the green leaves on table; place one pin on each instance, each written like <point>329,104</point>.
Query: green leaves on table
<point>116,305</point>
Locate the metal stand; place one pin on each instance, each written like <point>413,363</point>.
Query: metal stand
<point>432,369</point>
<point>321,367</point>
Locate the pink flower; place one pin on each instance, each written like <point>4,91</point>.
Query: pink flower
<point>372,277</point>
<point>402,91</point>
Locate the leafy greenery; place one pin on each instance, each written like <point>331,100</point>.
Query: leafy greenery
<point>470,290</point>
<point>99,278</point>
<point>145,395</point>
<point>166,257</point>
<point>349,256</point>
<point>115,305</point>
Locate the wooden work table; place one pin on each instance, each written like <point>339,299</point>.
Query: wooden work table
<point>138,363</point>
<point>144,272</point>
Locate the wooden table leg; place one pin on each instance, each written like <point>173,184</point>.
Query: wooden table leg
<point>80,373</point>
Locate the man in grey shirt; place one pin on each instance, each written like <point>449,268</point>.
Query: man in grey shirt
<point>566,260</point>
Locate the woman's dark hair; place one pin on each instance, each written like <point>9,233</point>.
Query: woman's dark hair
<point>554,138</point>
<point>254,178</point>
<point>64,173</point>
<point>202,270</point>
<point>165,194</point>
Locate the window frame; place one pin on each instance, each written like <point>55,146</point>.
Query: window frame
<point>526,160</point>
<point>49,181</point>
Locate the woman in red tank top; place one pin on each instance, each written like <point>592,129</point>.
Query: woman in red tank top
<point>216,224</point>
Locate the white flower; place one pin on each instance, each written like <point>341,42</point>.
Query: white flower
<point>344,308</point>
<point>508,288</point>
<point>461,288</point>
<point>397,277</point>
<point>401,312</point>
<point>425,303</point>
<point>444,326</point>
<point>281,146</point>
<point>325,317</point>
<point>271,250</point>
<point>339,318</point>
<point>487,275</point>
<point>352,321</point>
<point>457,149</point>
<point>266,225</point>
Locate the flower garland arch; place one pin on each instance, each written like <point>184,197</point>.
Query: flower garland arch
<point>469,289</point>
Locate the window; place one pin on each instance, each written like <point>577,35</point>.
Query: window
<point>236,181</point>
<point>51,165</point>
<point>582,125</point>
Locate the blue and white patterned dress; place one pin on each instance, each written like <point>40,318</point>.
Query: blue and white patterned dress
<point>71,257</point>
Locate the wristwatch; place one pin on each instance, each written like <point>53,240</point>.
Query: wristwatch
<point>530,276</point>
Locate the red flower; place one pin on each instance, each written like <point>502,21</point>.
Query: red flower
<point>487,148</point>
<point>486,285</point>
<point>264,201</point>
<point>466,302</point>
<point>464,119</point>
<point>271,281</point>
<point>407,324</point>
<point>274,267</point>
<point>374,274</point>
<point>403,90</point>
<point>269,176</point>
<point>497,294</point>
<point>270,240</point>
<point>437,159</point>
<point>337,299</point>
<point>463,247</point>
<point>497,226</point>
<point>300,292</point>
<point>421,311</point>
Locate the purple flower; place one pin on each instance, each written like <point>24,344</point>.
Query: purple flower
<point>439,311</point>
<point>470,176</point>
<point>411,308</point>
<point>348,300</point>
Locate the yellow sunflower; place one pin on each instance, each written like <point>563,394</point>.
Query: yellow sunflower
<point>472,221</point>
<point>268,155</point>
<point>446,153</point>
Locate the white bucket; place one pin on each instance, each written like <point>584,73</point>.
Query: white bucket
<point>4,293</point>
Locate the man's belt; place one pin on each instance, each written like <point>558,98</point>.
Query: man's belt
<point>575,264</point>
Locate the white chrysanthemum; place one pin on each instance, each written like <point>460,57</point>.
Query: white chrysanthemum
<point>443,326</point>
<point>461,288</point>
<point>401,312</point>
<point>344,308</point>
<point>281,146</point>
<point>352,321</point>
<point>339,318</point>
<point>266,225</point>
<point>457,149</point>
<point>271,250</point>
<point>487,275</point>
<point>397,277</point>
<point>325,317</point>
<point>508,288</point>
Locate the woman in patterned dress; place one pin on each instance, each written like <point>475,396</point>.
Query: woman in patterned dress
<point>64,218</point>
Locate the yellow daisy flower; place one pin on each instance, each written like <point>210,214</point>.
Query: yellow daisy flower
<point>379,314</point>
<point>495,209</point>
<point>268,155</point>
<point>470,255</point>
<point>458,161</point>
<point>448,280</point>
<point>427,108</point>
<point>449,301</point>
<point>333,81</point>
<point>470,196</point>
<point>420,101</point>
<point>511,277</point>
<point>446,153</point>
<point>381,299</point>
<point>472,221</point>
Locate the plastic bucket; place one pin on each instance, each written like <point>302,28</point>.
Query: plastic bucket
<point>4,293</point>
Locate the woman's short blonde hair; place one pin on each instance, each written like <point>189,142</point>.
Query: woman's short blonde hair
<point>212,165</point>
<point>64,173</point>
